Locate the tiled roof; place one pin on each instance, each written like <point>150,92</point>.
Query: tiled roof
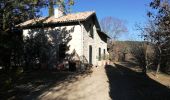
<point>81,16</point>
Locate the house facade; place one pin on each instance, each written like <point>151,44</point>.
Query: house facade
<point>87,39</point>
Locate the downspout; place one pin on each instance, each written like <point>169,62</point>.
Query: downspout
<point>82,51</point>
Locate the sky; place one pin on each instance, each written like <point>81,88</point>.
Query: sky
<point>132,11</point>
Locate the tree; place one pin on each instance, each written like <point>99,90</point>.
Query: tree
<point>14,12</point>
<point>64,5</point>
<point>157,30</point>
<point>118,50</point>
<point>46,47</point>
<point>144,54</point>
<point>14,52</point>
<point>162,23</point>
<point>113,26</point>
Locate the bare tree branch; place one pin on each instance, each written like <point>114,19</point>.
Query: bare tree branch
<point>113,27</point>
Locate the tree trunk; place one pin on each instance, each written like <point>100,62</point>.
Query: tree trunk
<point>146,67</point>
<point>159,61</point>
<point>51,8</point>
<point>158,68</point>
<point>146,57</point>
<point>4,22</point>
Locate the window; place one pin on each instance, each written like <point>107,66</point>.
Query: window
<point>104,54</point>
<point>99,54</point>
<point>62,51</point>
<point>91,30</point>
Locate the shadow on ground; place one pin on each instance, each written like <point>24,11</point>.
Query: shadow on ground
<point>126,84</point>
<point>31,85</point>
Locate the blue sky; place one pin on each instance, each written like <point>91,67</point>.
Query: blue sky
<point>132,11</point>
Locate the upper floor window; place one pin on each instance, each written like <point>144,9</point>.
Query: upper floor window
<point>91,30</point>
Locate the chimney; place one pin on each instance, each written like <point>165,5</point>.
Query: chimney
<point>58,12</point>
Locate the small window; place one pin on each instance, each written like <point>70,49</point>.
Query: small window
<point>91,30</point>
<point>99,54</point>
<point>104,54</point>
<point>62,51</point>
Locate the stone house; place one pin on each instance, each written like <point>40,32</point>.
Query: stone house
<point>88,40</point>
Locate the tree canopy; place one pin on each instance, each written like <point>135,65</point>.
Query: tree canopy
<point>13,12</point>
<point>157,30</point>
<point>114,27</point>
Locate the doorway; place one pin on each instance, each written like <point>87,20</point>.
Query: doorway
<point>90,54</point>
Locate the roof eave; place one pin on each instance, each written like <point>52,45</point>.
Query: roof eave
<point>104,34</point>
<point>54,24</point>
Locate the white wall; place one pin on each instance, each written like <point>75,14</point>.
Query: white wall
<point>96,42</point>
<point>87,41</point>
<point>100,44</point>
<point>76,42</point>
<point>76,35</point>
<point>81,41</point>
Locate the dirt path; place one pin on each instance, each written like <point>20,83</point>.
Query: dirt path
<point>128,84</point>
<point>113,82</point>
<point>92,87</point>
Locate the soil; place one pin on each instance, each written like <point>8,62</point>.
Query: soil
<point>91,87</point>
<point>119,81</point>
<point>162,78</point>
